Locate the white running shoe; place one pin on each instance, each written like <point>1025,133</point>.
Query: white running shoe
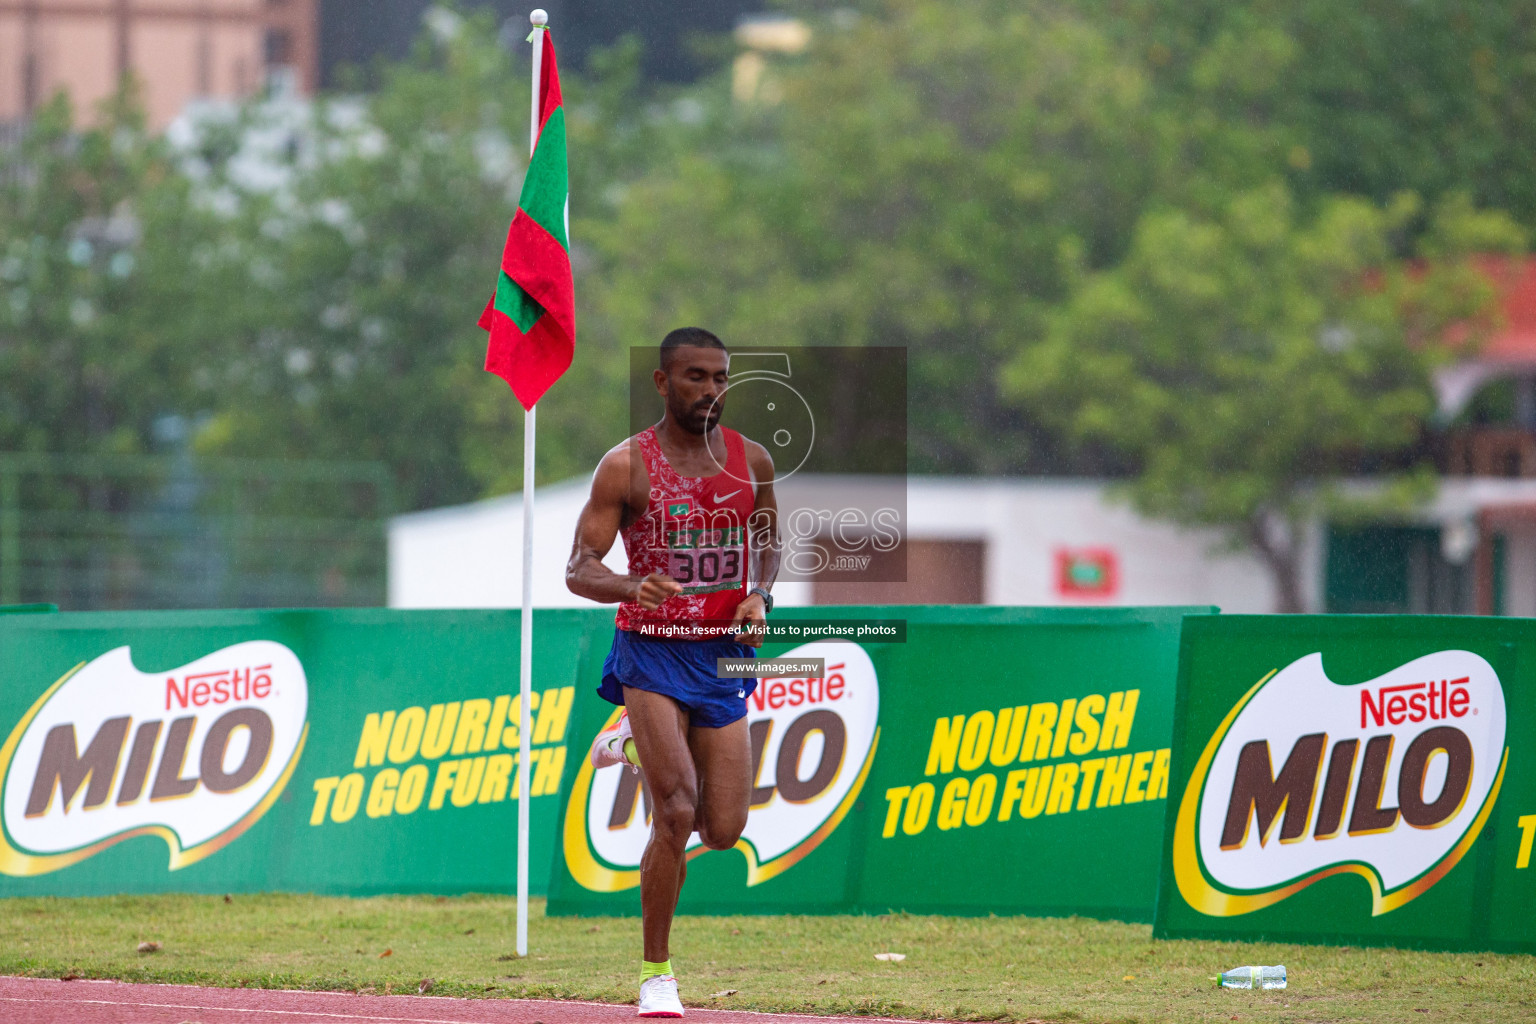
<point>608,747</point>
<point>658,997</point>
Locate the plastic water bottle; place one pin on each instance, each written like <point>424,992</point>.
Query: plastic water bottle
<point>1253,977</point>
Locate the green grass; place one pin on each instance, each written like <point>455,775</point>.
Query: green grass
<point>999,968</point>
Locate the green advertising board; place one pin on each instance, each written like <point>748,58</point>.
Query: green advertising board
<point>1353,779</point>
<point>999,760</point>
<point>320,751</point>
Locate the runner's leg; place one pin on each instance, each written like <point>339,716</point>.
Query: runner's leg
<point>661,735</point>
<point>723,786</point>
<point>723,760</point>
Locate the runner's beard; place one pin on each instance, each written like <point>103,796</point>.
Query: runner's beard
<point>700,418</point>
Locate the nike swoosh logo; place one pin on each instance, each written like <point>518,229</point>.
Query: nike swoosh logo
<point>727,497</point>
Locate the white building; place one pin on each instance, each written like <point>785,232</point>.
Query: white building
<point>968,540</point>
<point>1034,542</point>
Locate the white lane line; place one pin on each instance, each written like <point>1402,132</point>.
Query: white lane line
<point>240,1009</point>
<point>552,1004</point>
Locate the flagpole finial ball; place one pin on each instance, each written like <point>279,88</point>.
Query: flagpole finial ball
<point>539,17</point>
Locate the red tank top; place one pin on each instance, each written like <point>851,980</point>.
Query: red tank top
<point>695,530</point>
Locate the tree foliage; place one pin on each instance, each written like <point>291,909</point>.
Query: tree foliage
<point>1248,358</point>
<point>85,362</point>
<point>1169,242</point>
<point>1378,97</point>
<point>932,178</point>
<point>366,231</point>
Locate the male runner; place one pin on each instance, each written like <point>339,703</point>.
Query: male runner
<point>694,503</point>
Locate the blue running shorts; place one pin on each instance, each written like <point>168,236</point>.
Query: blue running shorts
<point>681,669</point>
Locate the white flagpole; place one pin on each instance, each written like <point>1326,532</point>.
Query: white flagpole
<point>525,649</point>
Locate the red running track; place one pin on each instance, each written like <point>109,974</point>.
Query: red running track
<point>46,1001</point>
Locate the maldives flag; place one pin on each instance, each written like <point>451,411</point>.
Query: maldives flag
<point>532,316</point>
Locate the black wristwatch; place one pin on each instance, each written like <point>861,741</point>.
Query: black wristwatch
<point>767,597</point>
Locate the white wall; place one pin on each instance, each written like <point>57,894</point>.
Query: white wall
<point>470,556</point>
<point>1520,573</point>
<point>1025,522</point>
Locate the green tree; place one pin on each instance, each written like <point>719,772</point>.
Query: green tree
<point>89,355</point>
<point>1434,96</point>
<point>944,177</point>
<point>933,178</point>
<point>367,231</point>
<point>1135,213</point>
<point>1249,360</point>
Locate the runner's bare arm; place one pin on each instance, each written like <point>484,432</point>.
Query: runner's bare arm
<point>585,574</point>
<point>763,545</point>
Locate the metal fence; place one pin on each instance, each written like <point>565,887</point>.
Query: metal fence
<point>152,532</point>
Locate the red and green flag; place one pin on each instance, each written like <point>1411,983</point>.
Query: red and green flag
<point>532,316</point>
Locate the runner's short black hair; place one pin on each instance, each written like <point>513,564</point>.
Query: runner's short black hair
<point>688,337</point>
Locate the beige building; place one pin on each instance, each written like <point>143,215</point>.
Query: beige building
<point>179,50</point>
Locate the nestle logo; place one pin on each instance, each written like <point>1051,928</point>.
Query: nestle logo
<point>1290,763</point>
<point>186,753</point>
<point>203,688</point>
<point>812,690</point>
<point>1414,702</point>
